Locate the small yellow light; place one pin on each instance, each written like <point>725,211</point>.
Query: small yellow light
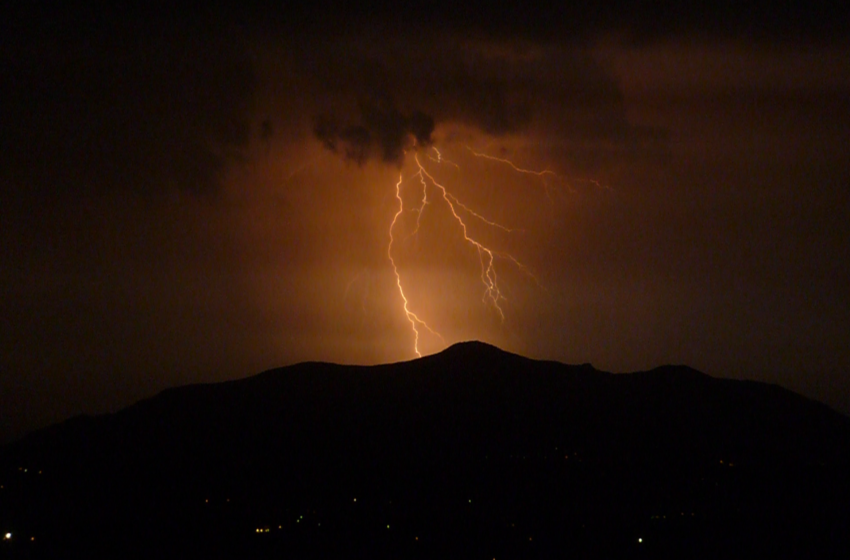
<point>7,536</point>
<point>640,540</point>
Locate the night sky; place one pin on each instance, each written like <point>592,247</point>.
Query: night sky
<point>198,195</point>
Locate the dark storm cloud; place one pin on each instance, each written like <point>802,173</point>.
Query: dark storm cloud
<point>578,22</point>
<point>383,131</point>
<point>94,102</point>
<point>557,93</point>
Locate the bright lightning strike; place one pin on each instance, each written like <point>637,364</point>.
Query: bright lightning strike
<point>510,163</point>
<point>411,316</point>
<point>389,135</point>
<point>439,158</point>
<point>487,256</point>
<point>544,174</point>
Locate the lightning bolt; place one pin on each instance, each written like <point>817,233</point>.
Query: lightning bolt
<point>453,201</point>
<point>439,158</point>
<point>486,256</point>
<point>411,316</point>
<point>435,192</point>
<point>543,173</point>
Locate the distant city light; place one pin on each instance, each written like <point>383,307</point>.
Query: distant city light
<point>7,537</point>
<point>640,540</point>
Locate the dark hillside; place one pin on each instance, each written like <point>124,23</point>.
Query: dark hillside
<point>470,452</point>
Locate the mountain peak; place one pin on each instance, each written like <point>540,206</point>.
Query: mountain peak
<point>473,348</point>
<point>478,355</point>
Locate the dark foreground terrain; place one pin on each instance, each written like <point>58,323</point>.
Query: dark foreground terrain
<point>470,453</point>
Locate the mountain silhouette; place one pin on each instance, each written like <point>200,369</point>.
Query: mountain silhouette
<point>472,452</point>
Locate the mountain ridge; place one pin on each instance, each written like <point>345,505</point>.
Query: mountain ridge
<point>540,441</point>
<point>466,373</point>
